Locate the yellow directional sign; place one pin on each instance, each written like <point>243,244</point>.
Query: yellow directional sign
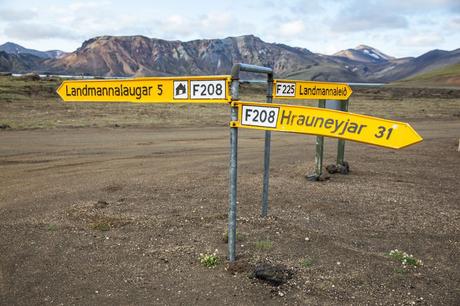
<point>203,89</point>
<point>325,122</point>
<point>291,89</point>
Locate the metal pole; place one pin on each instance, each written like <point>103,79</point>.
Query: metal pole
<point>319,151</point>
<point>341,143</point>
<point>268,137</point>
<point>233,172</point>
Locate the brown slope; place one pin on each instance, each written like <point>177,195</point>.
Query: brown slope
<point>139,55</point>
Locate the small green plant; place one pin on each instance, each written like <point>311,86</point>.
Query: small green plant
<point>264,245</point>
<point>101,226</point>
<point>400,271</point>
<point>306,263</point>
<point>52,227</point>
<point>209,260</point>
<point>404,258</point>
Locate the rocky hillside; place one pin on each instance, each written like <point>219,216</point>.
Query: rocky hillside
<point>12,48</point>
<point>143,56</point>
<point>139,55</point>
<point>365,54</point>
<point>21,63</point>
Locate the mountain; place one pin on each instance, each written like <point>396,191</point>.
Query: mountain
<point>447,76</point>
<point>139,55</point>
<point>377,66</point>
<point>20,63</point>
<point>12,48</point>
<point>142,56</point>
<point>365,54</point>
<point>410,67</point>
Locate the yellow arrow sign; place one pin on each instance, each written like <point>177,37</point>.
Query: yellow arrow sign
<point>325,122</point>
<point>203,89</point>
<point>290,89</point>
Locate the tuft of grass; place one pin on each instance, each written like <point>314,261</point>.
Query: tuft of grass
<point>264,245</point>
<point>101,226</point>
<point>209,260</point>
<point>404,258</point>
<point>51,227</point>
<point>306,263</point>
<point>400,271</point>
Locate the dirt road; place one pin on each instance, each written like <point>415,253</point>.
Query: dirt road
<point>120,215</point>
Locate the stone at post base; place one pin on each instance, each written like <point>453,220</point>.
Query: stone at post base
<point>343,168</point>
<point>318,178</point>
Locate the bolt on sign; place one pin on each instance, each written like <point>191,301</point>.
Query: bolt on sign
<point>202,89</point>
<point>290,89</point>
<point>325,122</point>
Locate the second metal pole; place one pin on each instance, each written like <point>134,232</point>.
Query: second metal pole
<point>319,148</point>
<point>268,137</point>
<point>341,143</point>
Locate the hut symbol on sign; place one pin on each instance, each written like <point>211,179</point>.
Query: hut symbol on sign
<point>180,90</point>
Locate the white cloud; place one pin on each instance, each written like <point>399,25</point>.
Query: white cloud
<point>324,26</point>
<point>34,31</point>
<point>422,39</point>
<point>7,14</point>
<point>292,28</point>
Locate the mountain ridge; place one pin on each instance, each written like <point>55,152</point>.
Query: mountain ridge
<point>139,55</point>
<point>13,48</point>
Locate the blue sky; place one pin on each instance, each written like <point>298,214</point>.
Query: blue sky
<point>396,27</point>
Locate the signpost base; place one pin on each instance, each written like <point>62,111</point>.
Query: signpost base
<point>319,153</point>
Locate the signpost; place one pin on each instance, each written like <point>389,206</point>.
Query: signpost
<point>253,115</point>
<point>292,89</point>
<point>203,89</point>
<point>325,122</point>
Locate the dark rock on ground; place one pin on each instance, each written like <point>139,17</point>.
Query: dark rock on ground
<point>101,204</point>
<point>4,126</point>
<point>273,275</point>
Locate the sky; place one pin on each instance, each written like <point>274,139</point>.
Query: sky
<point>396,27</point>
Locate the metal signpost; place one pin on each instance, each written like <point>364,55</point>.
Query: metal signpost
<point>203,89</point>
<point>267,116</point>
<point>237,68</point>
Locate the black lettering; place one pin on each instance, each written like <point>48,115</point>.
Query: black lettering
<point>311,122</point>
<point>278,88</point>
<point>285,117</point>
<point>211,89</point>
<point>263,116</point>
<point>381,132</point>
<point>337,125</point>
<point>352,128</point>
<point>361,127</point>
<point>345,127</point>
<point>301,120</point>
<point>317,120</point>
<point>256,117</point>
<point>138,93</point>
<point>247,113</point>
<point>329,123</point>
<point>203,87</point>
<point>271,116</point>
<point>219,89</point>
<point>389,133</point>
<point>195,88</point>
